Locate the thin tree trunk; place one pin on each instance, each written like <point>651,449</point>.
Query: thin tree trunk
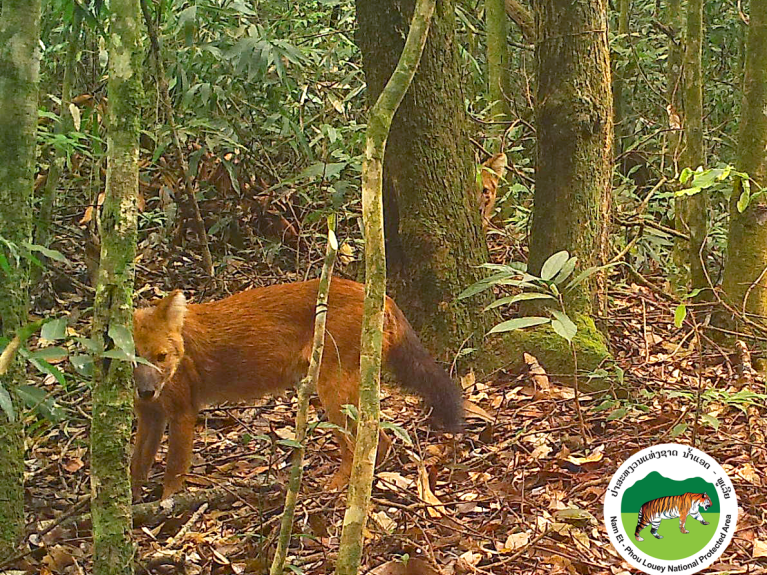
<point>745,278</point>
<point>19,69</point>
<point>694,209</point>
<point>522,18</point>
<point>170,117</point>
<point>379,125</point>
<point>674,21</point>
<point>619,101</point>
<point>497,61</point>
<point>64,125</point>
<point>113,306</point>
<point>305,391</point>
<point>434,236</point>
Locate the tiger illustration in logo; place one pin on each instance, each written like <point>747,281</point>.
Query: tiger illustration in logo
<point>655,511</point>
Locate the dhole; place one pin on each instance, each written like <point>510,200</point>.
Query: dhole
<point>256,342</point>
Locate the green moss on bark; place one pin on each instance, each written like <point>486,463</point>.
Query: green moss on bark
<point>19,63</point>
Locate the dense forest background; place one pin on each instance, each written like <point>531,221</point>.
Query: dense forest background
<point>251,125</point>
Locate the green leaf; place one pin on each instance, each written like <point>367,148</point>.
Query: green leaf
<point>519,297</point>
<point>49,353</point>
<point>566,270</point>
<point>54,330</point>
<point>119,354</point>
<point>123,338</point>
<point>290,443</point>
<point>679,314</point>
<point>90,345</point>
<point>6,404</point>
<point>36,398</point>
<point>617,414</point>
<point>689,191</point>
<point>350,410</point>
<point>685,175</point>
<point>48,253</point>
<point>563,325</point>
<point>554,265</point>
<point>398,431</point>
<point>678,430</point>
<point>711,420</point>
<point>519,323</point>
<point>83,364</point>
<point>743,201</point>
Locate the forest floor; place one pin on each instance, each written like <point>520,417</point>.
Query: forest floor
<point>519,491</point>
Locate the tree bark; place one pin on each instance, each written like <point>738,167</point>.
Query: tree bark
<point>619,102</point>
<point>499,90</point>
<point>575,131</point>
<point>113,306</point>
<point>522,18</point>
<point>744,283</point>
<point>693,210</point>
<point>19,72</point>
<point>371,342</point>
<point>431,203</point>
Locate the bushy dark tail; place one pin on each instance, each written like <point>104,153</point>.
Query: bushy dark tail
<point>416,371</point>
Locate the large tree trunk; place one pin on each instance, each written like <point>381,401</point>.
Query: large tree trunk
<point>575,130</point>
<point>19,68</point>
<point>432,219</point>
<point>692,212</point>
<point>574,119</point>
<point>745,281</point>
<point>113,306</point>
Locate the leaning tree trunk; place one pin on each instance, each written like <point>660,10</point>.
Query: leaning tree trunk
<point>572,184</point>
<point>692,212</point>
<point>19,67</point>
<point>745,281</point>
<point>113,307</point>
<point>431,206</point>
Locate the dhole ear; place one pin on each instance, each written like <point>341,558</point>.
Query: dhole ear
<point>497,164</point>
<point>173,310</point>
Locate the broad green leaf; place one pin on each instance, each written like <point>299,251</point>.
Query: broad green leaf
<point>563,325</point>
<point>36,398</point>
<point>6,404</point>
<point>679,314</point>
<point>398,431</point>
<point>508,300</point>
<point>54,330</point>
<point>678,430</point>
<point>689,191</point>
<point>49,353</point>
<point>333,240</point>
<point>685,175</point>
<point>743,200</point>
<point>48,253</point>
<point>711,420</point>
<point>290,443</point>
<point>83,364</point>
<point>119,354</point>
<point>566,270</point>
<point>518,323</point>
<point>90,345</point>
<point>554,264</point>
<point>617,414</point>
<point>123,338</point>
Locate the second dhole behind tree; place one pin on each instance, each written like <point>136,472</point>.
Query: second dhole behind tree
<point>257,342</point>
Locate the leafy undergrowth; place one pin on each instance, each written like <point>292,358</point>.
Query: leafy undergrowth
<point>520,491</point>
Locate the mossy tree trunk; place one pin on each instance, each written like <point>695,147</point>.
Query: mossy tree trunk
<point>19,71</point>
<point>575,131</point>
<point>674,21</point>
<point>113,307</point>
<point>745,280</point>
<point>574,119</point>
<point>434,237</point>
<point>692,212</point>
<point>378,130</point>
<point>496,24</point>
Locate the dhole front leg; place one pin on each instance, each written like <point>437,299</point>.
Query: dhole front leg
<point>150,428</point>
<point>180,440</point>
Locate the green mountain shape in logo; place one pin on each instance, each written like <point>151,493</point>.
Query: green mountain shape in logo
<point>656,485</point>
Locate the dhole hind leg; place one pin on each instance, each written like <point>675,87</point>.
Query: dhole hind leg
<point>180,440</point>
<point>151,423</point>
<point>335,391</point>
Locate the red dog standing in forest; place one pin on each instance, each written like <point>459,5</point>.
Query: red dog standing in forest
<point>257,342</point>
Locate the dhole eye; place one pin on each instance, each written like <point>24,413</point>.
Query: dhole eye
<point>161,356</point>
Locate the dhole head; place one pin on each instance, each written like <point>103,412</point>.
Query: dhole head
<point>158,339</point>
<point>492,172</point>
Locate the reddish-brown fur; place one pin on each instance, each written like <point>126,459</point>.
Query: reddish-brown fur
<point>257,342</point>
